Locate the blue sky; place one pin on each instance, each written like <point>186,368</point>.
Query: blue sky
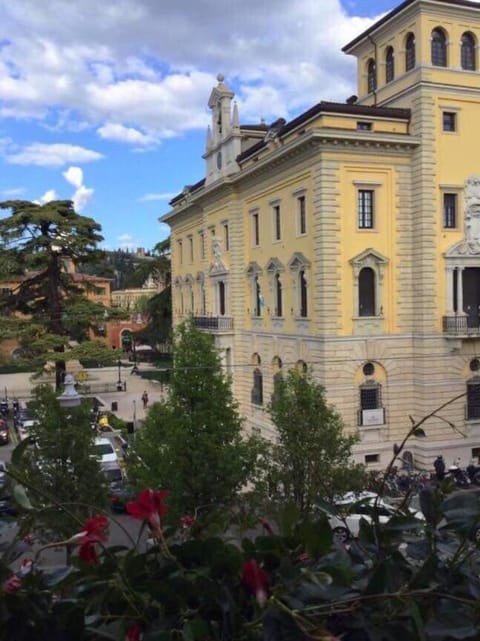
<point>106,102</point>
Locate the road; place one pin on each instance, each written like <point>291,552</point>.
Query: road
<point>123,530</point>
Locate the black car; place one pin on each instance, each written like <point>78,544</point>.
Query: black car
<point>4,433</point>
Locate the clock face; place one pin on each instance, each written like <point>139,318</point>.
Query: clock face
<point>219,160</point>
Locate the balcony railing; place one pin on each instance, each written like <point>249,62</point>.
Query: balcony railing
<point>213,323</point>
<point>461,325</point>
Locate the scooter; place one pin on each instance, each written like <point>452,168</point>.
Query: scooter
<point>459,476</point>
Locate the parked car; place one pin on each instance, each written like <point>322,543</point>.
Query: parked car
<point>23,421</point>
<point>4,433</point>
<point>104,451</point>
<point>352,508</point>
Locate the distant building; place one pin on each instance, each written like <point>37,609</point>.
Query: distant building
<point>346,242</point>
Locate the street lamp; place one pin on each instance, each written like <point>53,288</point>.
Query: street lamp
<point>119,382</point>
<point>69,397</point>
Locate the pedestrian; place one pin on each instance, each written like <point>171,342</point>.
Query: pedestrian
<point>439,465</point>
<point>145,399</point>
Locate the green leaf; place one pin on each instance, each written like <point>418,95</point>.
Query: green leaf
<point>21,497</point>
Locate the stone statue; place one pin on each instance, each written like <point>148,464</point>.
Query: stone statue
<point>472,213</point>
<point>217,250</point>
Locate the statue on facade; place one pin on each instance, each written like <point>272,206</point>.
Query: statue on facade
<point>217,251</point>
<point>472,213</point>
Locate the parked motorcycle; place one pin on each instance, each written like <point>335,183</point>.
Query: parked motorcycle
<point>460,477</point>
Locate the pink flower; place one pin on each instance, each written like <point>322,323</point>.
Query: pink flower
<point>28,539</point>
<point>256,580</point>
<point>134,633</point>
<point>303,557</point>
<point>187,521</point>
<point>12,584</point>
<point>149,506</point>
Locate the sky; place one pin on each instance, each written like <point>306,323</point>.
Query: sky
<point>105,103</point>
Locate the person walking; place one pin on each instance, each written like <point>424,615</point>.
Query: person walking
<point>145,399</point>
<point>439,465</point>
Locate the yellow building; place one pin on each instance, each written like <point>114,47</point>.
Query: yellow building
<point>347,241</point>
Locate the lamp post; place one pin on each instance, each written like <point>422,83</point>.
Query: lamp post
<point>119,382</point>
<point>69,397</point>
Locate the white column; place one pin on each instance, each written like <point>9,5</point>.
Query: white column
<point>450,301</point>
<point>460,290</point>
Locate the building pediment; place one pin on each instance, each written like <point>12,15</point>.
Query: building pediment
<point>274,266</point>
<point>253,269</point>
<point>298,261</point>
<point>217,268</point>
<point>367,256</point>
<point>463,249</point>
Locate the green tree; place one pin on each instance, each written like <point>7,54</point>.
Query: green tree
<point>36,243</point>
<point>312,456</point>
<point>193,444</point>
<point>58,467</point>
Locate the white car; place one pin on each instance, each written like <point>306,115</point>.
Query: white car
<point>352,508</point>
<point>105,452</point>
<point>23,428</point>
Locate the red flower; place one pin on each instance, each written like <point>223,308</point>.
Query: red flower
<point>149,506</point>
<point>12,584</point>
<point>134,633</point>
<point>94,531</point>
<point>187,521</point>
<point>266,526</point>
<point>256,580</point>
<point>28,539</point>
<point>88,553</point>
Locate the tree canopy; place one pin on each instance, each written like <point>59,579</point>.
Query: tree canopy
<point>193,443</point>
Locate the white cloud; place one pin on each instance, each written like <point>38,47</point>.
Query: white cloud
<point>47,197</point>
<point>120,133</point>
<point>138,71</point>
<point>53,155</point>
<point>125,241</point>
<point>81,197</point>
<point>14,192</point>
<point>74,176</point>
<point>160,196</point>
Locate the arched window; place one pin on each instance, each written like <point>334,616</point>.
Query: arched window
<point>278,311</point>
<point>257,389</point>
<point>301,367</point>
<point>371,76</point>
<point>277,376</point>
<point>257,297</point>
<point>366,292</point>
<point>410,52</point>
<point>439,48</point>
<point>468,52</point>
<point>473,398</point>
<point>389,65</point>
<point>302,282</point>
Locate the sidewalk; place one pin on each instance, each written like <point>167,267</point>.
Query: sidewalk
<point>130,406</point>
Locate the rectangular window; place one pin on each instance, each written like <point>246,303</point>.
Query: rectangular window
<point>202,244</point>
<point>180,252</point>
<point>226,239</point>
<point>450,211</point>
<point>277,223</point>
<point>255,229</point>
<point>372,458</point>
<point>449,119</point>
<point>365,208</point>
<point>190,248</point>
<point>302,215</point>
<point>370,397</point>
<point>364,126</point>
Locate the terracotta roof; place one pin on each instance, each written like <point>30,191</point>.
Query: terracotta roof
<point>454,3</point>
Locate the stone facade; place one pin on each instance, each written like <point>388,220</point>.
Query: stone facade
<point>337,242</point>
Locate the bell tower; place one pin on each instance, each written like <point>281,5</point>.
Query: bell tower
<point>223,135</point>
